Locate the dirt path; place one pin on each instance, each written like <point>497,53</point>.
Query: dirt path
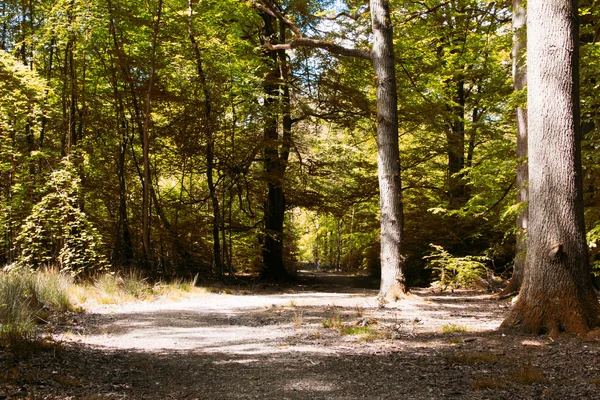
<point>309,342</point>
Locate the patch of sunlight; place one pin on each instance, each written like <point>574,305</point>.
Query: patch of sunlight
<point>535,343</point>
<point>312,385</point>
<point>244,361</point>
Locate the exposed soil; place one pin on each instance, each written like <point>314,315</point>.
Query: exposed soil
<point>326,338</point>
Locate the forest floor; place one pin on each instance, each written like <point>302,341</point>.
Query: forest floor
<point>325,338</point>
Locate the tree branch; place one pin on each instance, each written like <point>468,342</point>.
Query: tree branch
<point>300,41</point>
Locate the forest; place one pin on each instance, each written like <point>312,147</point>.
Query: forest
<point>227,138</point>
<point>299,199</point>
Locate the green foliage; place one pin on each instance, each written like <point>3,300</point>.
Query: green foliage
<point>453,271</point>
<point>58,232</point>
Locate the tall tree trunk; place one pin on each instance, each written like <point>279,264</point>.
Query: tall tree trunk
<point>146,143</point>
<point>275,164</point>
<point>519,73</point>
<point>210,147</point>
<point>557,293</point>
<point>388,155</point>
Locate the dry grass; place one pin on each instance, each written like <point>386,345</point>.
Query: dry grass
<point>111,288</point>
<point>298,318</point>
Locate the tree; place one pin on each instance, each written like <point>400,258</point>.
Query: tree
<point>382,58</point>
<point>388,160</point>
<point>520,83</point>
<point>557,293</point>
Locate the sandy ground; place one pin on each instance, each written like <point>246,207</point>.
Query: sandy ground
<point>306,342</point>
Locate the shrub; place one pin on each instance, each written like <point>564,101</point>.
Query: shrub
<point>58,232</point>
<point>455,271</point>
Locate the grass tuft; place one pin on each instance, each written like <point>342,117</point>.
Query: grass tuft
<point>453,328</point>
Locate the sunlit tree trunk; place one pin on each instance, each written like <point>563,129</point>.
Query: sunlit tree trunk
<point>388,155</point>
<point>557,293</point>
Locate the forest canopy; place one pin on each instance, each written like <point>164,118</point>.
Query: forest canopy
<point>221,137</point>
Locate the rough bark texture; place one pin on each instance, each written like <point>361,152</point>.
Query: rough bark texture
<point>557,293</point>
<point>388,159</point>
<point>519,72</point>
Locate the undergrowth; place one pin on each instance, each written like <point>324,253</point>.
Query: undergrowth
<point>28,298</point>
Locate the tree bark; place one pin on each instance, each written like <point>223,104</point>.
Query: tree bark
<point>388,155</point>
<point>519,72</point>
<point>557,293</point>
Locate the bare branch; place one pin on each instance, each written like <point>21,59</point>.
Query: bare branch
<point>321,44</point>
<point>300,41</point>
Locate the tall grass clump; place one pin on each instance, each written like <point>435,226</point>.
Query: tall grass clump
<point>18,306</point>
<point>53,289</point>
<point>113,288</point>
<point>23,295</point>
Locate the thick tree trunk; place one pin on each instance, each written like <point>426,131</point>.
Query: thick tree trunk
<point>557,293</point>
<point>519,72</point>
<point>388,154</point>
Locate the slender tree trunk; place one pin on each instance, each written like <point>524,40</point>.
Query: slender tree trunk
<point>210,147</point>
<point>456,149</point>
<point>388,156</point>
<point>557,293</point>
<point>146,143</point>
<point>519,72</point>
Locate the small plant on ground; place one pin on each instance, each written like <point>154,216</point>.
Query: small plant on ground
<point>334,321</point>
<point>453,328</point>
<point>54,288</point>
<point>298,318</point>
<point>360,311</point>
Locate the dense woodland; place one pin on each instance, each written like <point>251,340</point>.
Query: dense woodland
<point>221,137</point>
